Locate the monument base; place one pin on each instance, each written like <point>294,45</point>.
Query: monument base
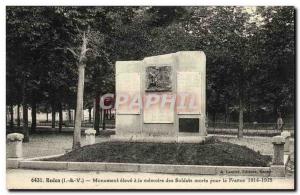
<point>158,139</point>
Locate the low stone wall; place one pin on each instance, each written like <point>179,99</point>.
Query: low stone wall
<point>152,139</point>
<point>37,163</point>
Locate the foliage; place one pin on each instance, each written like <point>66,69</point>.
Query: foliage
<point>250,52</point>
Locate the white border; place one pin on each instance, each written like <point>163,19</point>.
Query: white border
<point>4,3</point>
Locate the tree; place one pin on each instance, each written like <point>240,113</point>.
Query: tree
<point>22,44</point>
<point>277,59</point>
<point>29,48</point>
<point>82,18</point>
<point>250,55</point>
<point>80,87</point>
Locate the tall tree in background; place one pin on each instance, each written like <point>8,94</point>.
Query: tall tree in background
<point>25,38</point>
<point>250,54</point>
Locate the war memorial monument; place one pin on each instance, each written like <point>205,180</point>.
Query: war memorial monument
<point>161,98</point>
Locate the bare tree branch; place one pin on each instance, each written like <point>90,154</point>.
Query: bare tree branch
<point>86,50</point>
<point>77,28</point>
<point>73,52</point>
<point>59,48</point>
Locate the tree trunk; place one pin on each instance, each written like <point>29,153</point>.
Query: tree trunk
<point>241,113</point>
<point>249,111</point>
<point>18,116</point>
<point>11,112</point>
<point>70,116</point>
<point>79,108</point>
<point>226,113</point>
<point>74,117</point>
<point>25,123</point>
<point>97,114</point>
<point>60,118</point>
<point>103,121</point>
<point>241,119</point>
<point>25,113</point>
<point>100,116</point>
<point>90,115</point>
<point>80,92</point>
<point>33,117</point>
<point>53,115</point>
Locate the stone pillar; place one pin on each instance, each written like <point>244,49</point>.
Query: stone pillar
<point>90,136</point>
<point>286,135</point>
<point>203,129</point>
<point>14,147</point>
<point>278,145</point>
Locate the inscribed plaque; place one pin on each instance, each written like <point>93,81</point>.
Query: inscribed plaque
<point>157,113</point>
<point>189,91</point>
<point>128,85</point>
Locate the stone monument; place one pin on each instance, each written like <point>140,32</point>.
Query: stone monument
<point>161,98</point>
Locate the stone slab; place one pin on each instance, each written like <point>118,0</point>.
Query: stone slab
<point>191,61</point>
<point>286,158</point>
<point>201,170</point>
<point>43,157</point>
<point>243,171</point>
<point>14,148</point>
<point>13,163</point>
<point>159,168</point>
<point>191,139</point>
<point>277,171</point>
<point>156,123</point>
<point>128,125</point>
<point>122,167</point>
<point>45,165</point>
<point>117,138</point>
<point>159,129</point>
<point>190,83</point>
<point>286,134</point>
<point>155,113</point>
<point>143,139</point>
<point>164,59</point>
<point>127,84</point>
<point>278,140</point>
<point>274,170</point>
<point>158,139</point>
<point>86,166</point>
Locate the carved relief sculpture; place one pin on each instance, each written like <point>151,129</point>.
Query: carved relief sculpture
<point>158,78</point>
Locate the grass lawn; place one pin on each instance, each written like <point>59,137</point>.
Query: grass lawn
<point>212,152</point>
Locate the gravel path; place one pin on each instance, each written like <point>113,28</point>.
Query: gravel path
<point>261,144</point>
<point>55,143</point>
<point>51,144</point>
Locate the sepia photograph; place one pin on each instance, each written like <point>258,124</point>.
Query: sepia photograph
<point>150,97</point>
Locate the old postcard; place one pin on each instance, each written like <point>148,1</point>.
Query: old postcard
<point>150,97</point>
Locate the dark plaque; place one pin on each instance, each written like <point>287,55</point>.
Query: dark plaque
<point>189,125</point>
<point>158,78</point>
